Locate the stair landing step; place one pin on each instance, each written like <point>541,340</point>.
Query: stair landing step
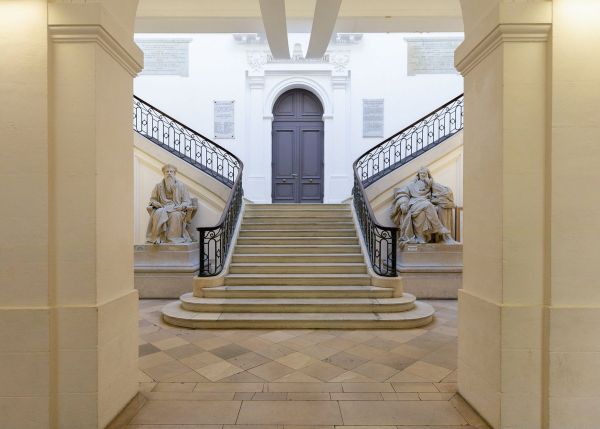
<point>420,315</point>
<point>259,291</point>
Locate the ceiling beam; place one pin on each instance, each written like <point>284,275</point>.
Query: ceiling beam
<point>326,12</point>
<point>274,21</point>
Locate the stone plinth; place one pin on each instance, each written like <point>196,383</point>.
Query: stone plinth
<point>431,270</point>
<point>165,270</point>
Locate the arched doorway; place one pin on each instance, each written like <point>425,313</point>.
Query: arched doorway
<point>297,148</point>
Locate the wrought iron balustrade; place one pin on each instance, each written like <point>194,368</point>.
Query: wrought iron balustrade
<point>207,156</point>
<point>185,143</point>
<point>387,156</point>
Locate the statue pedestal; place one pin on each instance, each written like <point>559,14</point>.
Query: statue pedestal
<point>431,270</point>
<point>165,270</point>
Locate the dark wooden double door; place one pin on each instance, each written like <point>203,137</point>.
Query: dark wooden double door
<point>297,162</point>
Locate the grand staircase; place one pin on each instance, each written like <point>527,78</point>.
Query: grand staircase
<point>298,266</point>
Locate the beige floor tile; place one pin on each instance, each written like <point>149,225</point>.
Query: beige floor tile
<point>447,387</point>
<point>367,387</point>
<point>174,387</point>
<point>166,370</point>
<point>296,360</point>
<point>290,412</point>
<point>404,396</point>
<point>346,360</point>
<point>201,360</point>
<point>212,343</point>
<point>154,359</point>
<point>297,377</point>
<point>190,396</point>
<point>170,343</point>
<point>218,370</point>
<point>414,387</point>
<point>351,377</point>
<point>451,378</point>
<point>400,413</point>
<point>303,387</point>
<point>243,396</point>
<point>366,352</point>
<point>358,336</point>
<point>308,396</point>
<point>358,396</point>
<point>255,343</point>
<point>143,377</point>
<point>407,377</point>
<point>248,360</point>
<point>229,387</point>
<point>468,413</point>
<point>275,351</point>
<point>253,427</point>
<point>188,377</point>
<point>297,343</point>
<point>242,377</point>
<point>410,351</point>
<point>428,371</point>
<point>271,371</point>
<point>320,351</point>
<point>376,371</point>
<point>339,343</point>
<point>173,427</point>
<point>323,371</point>
<point>432,396</point>
<point>270,396</point>
<point>278,336</point>
<point>188,412</point>
<point>369,427</point>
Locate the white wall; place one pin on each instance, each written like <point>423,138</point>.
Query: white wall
<point>219,70</point>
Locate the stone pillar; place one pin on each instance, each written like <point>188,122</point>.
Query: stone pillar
<point>68,310</point>
<point>529,352</point>
<point>338,168</point>
<point>501,336</point>
<point>257,171</point>
<point>573,297</point>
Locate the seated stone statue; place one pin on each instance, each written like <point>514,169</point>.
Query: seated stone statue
<point>171,210</point>
<point>423,210</point>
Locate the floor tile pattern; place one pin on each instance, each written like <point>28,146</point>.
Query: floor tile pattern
<point>294,379</point>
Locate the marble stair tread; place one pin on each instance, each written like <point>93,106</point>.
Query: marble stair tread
<point>298,279</point>
<point>291,241</point>
<point>293,292</point>
<point>297,268</point>
<point>420,315</point>
<point>301,257</point>
<point>313,232</point>
<point>297,206</point>
<point>295,218</point>
<point>291,226</point>
<point>296,249</point>
<point>406,298</point>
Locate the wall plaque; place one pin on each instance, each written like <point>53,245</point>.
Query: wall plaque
<point>165,56</point>
<point>373,117</point>
<point>224,120</point>
<point>431,55</point>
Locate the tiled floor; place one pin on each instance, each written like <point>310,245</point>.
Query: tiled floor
<point>320,379</point>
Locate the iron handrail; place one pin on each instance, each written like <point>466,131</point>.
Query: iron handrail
<point>214,160</point>
<point>185,143</point>
<point>419,137</point>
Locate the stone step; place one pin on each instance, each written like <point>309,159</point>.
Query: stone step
<point>292,241</point>
<point>297,305</point>
<point>309,220</point>
<point>297,292</point>
<point>297,232</point>
<point>298,279</point>
<point>300,213</point>
<point>299,258</point>
<point>301,225</point>
<point>295,249</point>
<point>296,206</point>
<point>297,268</point>
<point>420,315</point>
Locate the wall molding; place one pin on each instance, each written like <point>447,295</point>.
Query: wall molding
<point>502,33</point>
<point>97,34</point>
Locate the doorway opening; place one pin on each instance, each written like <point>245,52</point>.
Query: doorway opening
<point>297,148</point>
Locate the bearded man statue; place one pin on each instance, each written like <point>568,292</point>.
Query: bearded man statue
<point>423,210</point>
<point>170,210</point>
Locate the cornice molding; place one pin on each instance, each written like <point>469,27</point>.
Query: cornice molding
<point>95,33</point>
<point>503,33</point>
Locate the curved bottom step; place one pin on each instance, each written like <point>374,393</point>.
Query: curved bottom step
<point>420,315</point>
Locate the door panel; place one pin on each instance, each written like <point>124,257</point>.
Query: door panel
<point>297,156</point>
